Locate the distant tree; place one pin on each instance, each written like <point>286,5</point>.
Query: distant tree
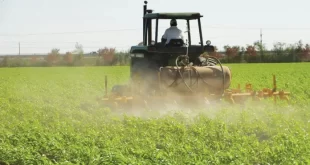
<point>107,55</point>
<point>232,53</point>
<point>261,48</point>
<point>251,54</point>
<point>53,56</point>
<point>33,60</point>
<point>5,62</point>
<point>78,49</point>
<point>305,55</point>
<point>68,58</point>
<point>301,51</point>
<point>279,50</point>
<point>78,52</point>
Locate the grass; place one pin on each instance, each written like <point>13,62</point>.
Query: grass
<point>50,116</point>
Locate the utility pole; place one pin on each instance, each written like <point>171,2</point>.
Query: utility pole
<point>261,37</point>
<point>19,48</point>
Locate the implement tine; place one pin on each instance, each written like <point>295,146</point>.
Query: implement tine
<point>264,93</point>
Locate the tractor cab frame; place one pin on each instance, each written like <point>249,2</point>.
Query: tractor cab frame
<point>149,17</point>
<point>154,44</point>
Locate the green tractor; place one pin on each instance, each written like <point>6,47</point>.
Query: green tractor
<point>177,71</point>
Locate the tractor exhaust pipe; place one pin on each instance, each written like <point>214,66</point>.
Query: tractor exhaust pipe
<point>144,30</point>
<point>144,8</point>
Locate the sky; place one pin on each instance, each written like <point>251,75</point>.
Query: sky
<point>40,25</point>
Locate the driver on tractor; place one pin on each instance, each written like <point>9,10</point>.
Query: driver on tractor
<point>172,33</point>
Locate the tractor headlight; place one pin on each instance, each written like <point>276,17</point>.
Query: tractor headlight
<point>138,55</point>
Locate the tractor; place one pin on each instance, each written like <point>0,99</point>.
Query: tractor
<point>179,72</point>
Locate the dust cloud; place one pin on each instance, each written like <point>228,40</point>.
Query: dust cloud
<point>151,106</point>
<point>148,104</point>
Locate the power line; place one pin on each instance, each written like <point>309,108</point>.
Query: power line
<point>49,42</point>
<point>135,29</point>
<point>59,47</point>
<point>79,32</point>
<point>3,43</point>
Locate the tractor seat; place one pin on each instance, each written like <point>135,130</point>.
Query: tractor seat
<point>175,43</point>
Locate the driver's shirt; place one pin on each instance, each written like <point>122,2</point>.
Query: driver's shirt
<point>172,33</point>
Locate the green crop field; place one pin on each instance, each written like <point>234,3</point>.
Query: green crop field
<point>51,116</point>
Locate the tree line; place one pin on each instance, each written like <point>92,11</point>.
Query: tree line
<point>254,53</point>
<point>257,53</point>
